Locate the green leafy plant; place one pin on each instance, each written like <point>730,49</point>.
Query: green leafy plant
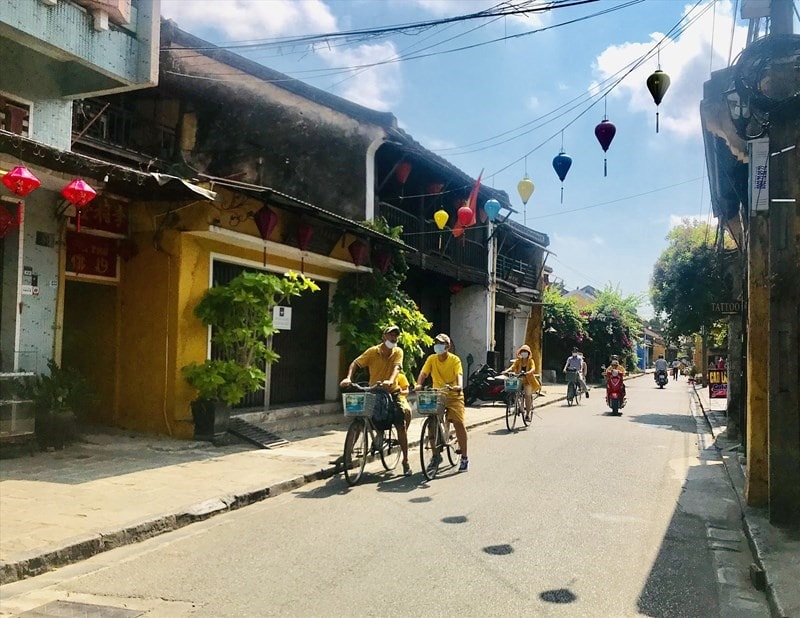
<point>240,316</point>
<point>59,391</point>
<point>366,303</point>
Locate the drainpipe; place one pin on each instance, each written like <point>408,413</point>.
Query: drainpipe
<point>369,202</point>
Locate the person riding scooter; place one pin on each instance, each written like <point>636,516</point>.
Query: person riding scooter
<point>660,376</point>
<point>614,370</point>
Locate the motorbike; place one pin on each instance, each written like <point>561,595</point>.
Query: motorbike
<point>661,378</point>
<point>485,384</point>
<point>614,397</point>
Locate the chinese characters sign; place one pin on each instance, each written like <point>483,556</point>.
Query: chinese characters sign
<point>759,174</point>
<point>94,256</point>
<point>105,216</point>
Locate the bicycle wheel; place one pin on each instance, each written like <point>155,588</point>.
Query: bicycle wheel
<point>390,449</point>
<point>453,454</point>
<point>570,393</point>
<point>511,411</point>
<point>430,447</point>
<point>521,407</point>
<point>578,393</point>
<point>355,451</point>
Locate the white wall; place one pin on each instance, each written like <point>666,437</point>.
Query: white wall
<point>468,325</point>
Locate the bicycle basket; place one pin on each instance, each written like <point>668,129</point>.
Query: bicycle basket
<point>358,404</point>
<point>513,383</point>
<point>431,403</point>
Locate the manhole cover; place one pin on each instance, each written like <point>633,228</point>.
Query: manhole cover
<point>68,609</point>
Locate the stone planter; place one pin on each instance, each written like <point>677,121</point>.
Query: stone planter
<point>211,419</point>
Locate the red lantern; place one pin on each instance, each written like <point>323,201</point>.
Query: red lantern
<point>358,252</point>
<point>304,234</point>
<point>20,181</point>
<point>78,193</point>
<point>435,188</point>
<point>382,259</point>
<point>402,171</point>
<point>265,220</point>
<point>464,216</point>
<point>456,287</point>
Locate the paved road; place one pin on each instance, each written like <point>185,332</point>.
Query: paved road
<point>583,514</point>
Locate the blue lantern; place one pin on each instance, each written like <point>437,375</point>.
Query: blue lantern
<point>492,209</point>
<point>561,164</point>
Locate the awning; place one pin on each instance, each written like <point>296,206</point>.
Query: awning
<point>291,203</point>
<point>117,179</point>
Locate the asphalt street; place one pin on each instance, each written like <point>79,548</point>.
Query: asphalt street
<point>582,514</point>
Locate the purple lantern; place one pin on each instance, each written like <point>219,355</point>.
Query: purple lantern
<point>605,132</point>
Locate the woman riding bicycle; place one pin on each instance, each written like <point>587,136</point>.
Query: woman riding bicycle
<point>524,362</point>
<point>445,370</point>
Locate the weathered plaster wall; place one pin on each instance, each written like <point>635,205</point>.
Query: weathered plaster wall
<point>468,320</point>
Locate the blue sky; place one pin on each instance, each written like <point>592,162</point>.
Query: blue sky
<point>608,230</point>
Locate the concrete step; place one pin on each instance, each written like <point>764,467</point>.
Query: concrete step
<point>291,418</point>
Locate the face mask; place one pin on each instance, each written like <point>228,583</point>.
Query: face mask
<point>574,355</point>
<point>439,348</point>
<point>524,354</point>
<point>389,344</point>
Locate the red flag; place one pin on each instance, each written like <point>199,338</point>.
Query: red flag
<point>472,202</point>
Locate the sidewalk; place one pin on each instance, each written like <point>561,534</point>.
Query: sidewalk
<point>776,551</point>
<point>115,487</point>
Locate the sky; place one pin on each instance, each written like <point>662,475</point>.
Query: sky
<point>527,85</point>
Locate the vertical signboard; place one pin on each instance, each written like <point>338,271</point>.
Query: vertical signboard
<point>758,183</point>
<point>717,384</point>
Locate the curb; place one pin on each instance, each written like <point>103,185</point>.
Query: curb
<point>81,548</point>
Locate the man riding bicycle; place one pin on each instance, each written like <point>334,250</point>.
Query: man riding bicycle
<point>384,362</point>
<point>577,364</point>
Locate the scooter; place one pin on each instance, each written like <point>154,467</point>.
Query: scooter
<point>661,378</point>
<point>485,384</point>
<point>614,397</point>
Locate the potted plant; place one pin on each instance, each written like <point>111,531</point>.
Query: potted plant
<point>240,316</point>
<point>60,398</point>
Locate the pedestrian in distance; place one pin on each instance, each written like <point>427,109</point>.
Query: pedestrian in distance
<point>445,370</point>
<point>676,365</point>
<point>384,362</point>
<point>524,362</point>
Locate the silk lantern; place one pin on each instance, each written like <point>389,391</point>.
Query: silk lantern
<point>605,132</point>
<point>464,215</point>
<point>402,172</point>
<point>561,164</point>
<point>20,181</point>
<point>441,217</point>
<point>657,84</point>
<point>265,220</point>
<point>492,209</point>
<point>525,189</point>
<point>78,193</point>
<point>381,259</point>
<point>358,252</point>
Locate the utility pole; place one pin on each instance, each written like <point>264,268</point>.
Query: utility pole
<point>784,301</point>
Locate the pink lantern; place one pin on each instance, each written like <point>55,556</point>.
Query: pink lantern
<point>358,252</point>
<point>382,259</point>
<point>304,234</point>
<point>20,181</point>
<point>266,220</point>
<point>78,193</point>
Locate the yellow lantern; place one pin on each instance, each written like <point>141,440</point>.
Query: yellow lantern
<point>441,217</point>
<point>525,188</point>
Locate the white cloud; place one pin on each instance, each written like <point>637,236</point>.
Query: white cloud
<point>533,102</point>
<point>597,240</point>
<point>251,19</point>
<point>376,87</point>
<point>687,60</point>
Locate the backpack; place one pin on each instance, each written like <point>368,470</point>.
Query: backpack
<point>383,412</point>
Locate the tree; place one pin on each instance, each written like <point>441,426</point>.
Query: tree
<point>569,327</point>
<point>687,278</point>
<point>613,326</point>
<point>366,303</point>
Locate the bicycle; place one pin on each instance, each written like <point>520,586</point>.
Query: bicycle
<point>437,433</point>
<point>573,387</point>
<point>363,440</point>
<point>515,401</point>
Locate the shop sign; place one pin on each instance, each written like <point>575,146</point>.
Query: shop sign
<point>92,256</point>
<point>717,383</point>
<point>105,216</point>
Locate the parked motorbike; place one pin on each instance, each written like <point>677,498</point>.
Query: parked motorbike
<point>485,384</point>
<point>661,378</point>
<point>614,398</point>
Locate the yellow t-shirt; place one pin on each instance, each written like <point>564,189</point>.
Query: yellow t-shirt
<point>529,367</point>
<point>381,367</point>
<point>402,383</point>
<point>443,372</point>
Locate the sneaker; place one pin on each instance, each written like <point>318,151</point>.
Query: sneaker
<point>464,465</point>
<point>435,462</point>
<point>587,394</point>
<point>527,418</point>
<point>406,469</point>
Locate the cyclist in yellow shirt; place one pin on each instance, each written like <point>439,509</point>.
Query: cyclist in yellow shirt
<point>384,361</point>
<point>524,362</point>
<point>445,370</point>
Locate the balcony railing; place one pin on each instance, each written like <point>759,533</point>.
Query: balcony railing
<point>519,273</point>
<point>468,250</point>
